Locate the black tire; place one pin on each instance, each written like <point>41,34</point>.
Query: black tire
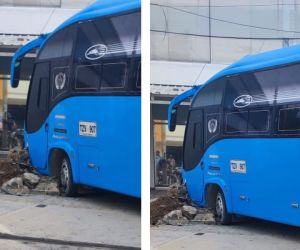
<point>65,178</point>
<point>221,214</point>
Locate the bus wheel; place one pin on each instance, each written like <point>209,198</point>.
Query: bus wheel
<point>221,214</point>
<point>67,187</point>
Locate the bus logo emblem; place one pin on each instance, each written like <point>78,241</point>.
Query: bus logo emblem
<point>96,51</point>
<point>242,101</point>
<point>60,80</point>
<point>212,126</point>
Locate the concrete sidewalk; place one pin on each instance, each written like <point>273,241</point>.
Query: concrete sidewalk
<point>94,218</point>
<point>248,235</point>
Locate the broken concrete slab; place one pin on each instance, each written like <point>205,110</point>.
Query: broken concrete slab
<point>204,216</point>
<point>47,185</point>
<point>189,212</point>
<point>175,218</point>
<point>30,180</point>
<point>15,186</point>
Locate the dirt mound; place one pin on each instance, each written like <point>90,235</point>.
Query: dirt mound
<point>162,206</point>
<point>9,170</point>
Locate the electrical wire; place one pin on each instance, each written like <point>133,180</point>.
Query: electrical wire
<point>226,37</point>
<point>236,5</point>
<point>226,21</point>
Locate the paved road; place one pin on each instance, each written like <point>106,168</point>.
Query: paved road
<point>95,217</point>
<point>247,235</point>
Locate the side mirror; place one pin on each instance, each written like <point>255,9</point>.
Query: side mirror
<point>17,71</point>
<point>173,119</point>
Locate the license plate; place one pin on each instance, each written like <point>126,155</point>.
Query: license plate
<point>88,129</point>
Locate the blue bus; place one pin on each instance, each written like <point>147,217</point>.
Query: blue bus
<point>242,139</point>
<point>83,114</point>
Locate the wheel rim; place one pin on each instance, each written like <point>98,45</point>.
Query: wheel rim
<point>219,206</point>
<point>64,174</point>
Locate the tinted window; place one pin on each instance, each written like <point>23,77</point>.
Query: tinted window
<point>247,90</point>
<point>109,38</point>
<point>210,95</point>
<point>113,43</point>
<point>113,75</point>
<point>289,119</point>
<point>258,121</point>
<point>193,143</point>
<point>37,108</point>
<point>288,81</point>
<point>138,76</point>
<point>59,45</point>
<point>252,121</point>
<point>198,135</point>
<point>42,102</point>
<point>264,87</point>
<point>236,122</point>
<point>88,77</point>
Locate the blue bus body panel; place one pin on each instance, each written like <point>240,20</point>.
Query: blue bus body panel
<point>115,151</point>
<point>268,188</point>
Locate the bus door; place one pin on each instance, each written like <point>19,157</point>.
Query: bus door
<point>37,113</point>
<point>193,152</point>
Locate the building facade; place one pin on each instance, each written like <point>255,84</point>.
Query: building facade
<point>191,40</point>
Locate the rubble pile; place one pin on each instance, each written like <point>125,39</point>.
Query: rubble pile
<point>17,177</point>
<point>175,209</point>
<point>9,170</point>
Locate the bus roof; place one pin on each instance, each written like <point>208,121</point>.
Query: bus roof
<point>246,64</point>
<point>259,61</point>
<point>97,9</point>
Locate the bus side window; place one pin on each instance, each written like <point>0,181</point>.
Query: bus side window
<point>87,77</point>
<point>259,121</point>
<point>113,75</point>
<point>236,122</point>
<point>289,120</point>
<point>114,43</point>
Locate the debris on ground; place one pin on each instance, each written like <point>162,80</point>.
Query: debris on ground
<point>162,206</point>
<point>18,177</point>
<point>189,212</point>
<point>175,218</point>
<point>30,180</point>
<point>47,185</point>
<point>174,208</point>
<point>15,186</point>
<point>8,171</point>
<point>205,216</point>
